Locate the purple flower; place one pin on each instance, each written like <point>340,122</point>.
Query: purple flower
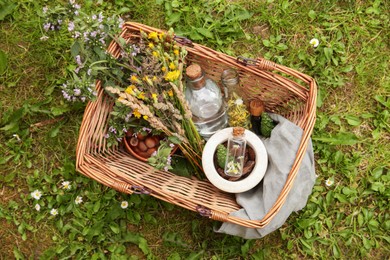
<point>46,26</point>
<point>166,168</point>
<point>124,130</point>
<point>45,9</point>
<point>94,17</point>
<point>172,145</point>
<point>76,35</point>
<point>146,129</point>
<point>82,99</point>
<point>112,129</point>
<point>106,135</point>
<point>100,18</point>
<point>119,139</point>
<point>78,60</point>
<point>93,34</point>
<point>70,26</point>
<point>77,92</point>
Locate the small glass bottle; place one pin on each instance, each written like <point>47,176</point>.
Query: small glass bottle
<point>203,94</point>
<point>230,82</point>
<point>235,153</point>
<point>256,108</point>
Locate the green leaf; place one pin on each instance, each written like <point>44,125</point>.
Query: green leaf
<point>115,227</point>
<point>75,49</point>
<point>312,14</point>
<point>6,9</point>
<point>173,18</point>
<point>3,62</point>
<point>328,53</point>
<point>57,111</point>
<point>339,139</point>
<point>353,120</point>
<point>205,32</point>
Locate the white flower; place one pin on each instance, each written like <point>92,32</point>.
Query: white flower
<point>44,38</point>
<point>17,137</point>
<point>54,212</point>
<point>329,182</point>
<point>124,204</point>
<point>78,200</point>
<point>66,185</point>
<point>37,207</point>
<point>314,42</point>
<point>36,194</point>
<point>239,102</point>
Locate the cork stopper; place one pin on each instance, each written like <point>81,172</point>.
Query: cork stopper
<point>256,107</point>
<point>195,76</point>
<point>194,71</point>
<point>238,131</point>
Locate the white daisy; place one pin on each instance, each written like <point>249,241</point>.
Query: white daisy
<point>314,42</point>
<point>54,212</point>
<point>124,204</point>
<point>66,185</point>
<point>37,207</point>
<point>36,194</point>
<point>78,200</point>
<point>329,182</point>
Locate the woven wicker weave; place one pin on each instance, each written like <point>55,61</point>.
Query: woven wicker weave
<point>284,91</point>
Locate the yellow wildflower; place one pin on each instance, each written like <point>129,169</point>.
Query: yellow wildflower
<point>120,99</point>
<point>161,36</point>
<point>136,113</point>
<point>170,93</point>
<point>176,52</point>
<point>151,45</point>
<point>163,69</point>
<point>130,89</point>
<point>172,66</point>
<point>141,95</point>
<point>153,36</point>
<point>154,78</point>
<point>134,79</point>
<point>145,117</point>
<point>154,96</point>
<point>155,54</point>
<point>172,75</point>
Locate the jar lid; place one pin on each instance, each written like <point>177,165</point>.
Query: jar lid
<point>256,107</point>
<point>194,71</point>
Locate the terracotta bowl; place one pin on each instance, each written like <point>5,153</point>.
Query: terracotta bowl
<point>140,157</point>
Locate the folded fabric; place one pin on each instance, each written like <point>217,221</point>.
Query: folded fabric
<point>281,147</point>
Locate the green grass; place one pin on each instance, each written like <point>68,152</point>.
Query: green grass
<point>349,219</point>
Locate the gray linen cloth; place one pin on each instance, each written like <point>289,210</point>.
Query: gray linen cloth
<point>281,148</point>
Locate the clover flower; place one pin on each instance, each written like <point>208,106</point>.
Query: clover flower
<point>329,182</point>
<point>66,185</point>
<point>78,200</point>
<point>36,194</point>
<point>37,207</point>
<point>54,212</point>
<point>124,204</point>
<point>314,42</point>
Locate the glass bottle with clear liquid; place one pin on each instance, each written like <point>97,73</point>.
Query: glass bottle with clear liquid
<point>235,156</point>
<point>205,101</point>
<point>202,94</point>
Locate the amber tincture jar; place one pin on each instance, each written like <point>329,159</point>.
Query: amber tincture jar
<point>256,108</point>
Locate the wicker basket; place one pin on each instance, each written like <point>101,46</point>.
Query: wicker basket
<point>283,90</point>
